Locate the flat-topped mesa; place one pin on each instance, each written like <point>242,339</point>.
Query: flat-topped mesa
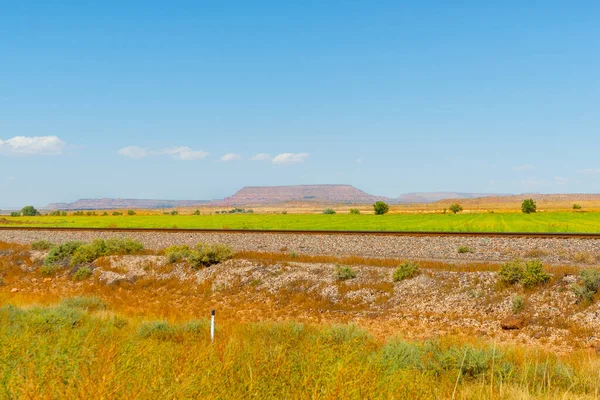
<point>317,193</point>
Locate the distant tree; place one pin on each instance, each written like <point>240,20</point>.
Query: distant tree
<point>576,206</point>
<point>197,212</point>
<point>456,208</point>
<point>130,212</point>
<point>329,211</point>
<point>381,208</point>
<point>174,212</point>
<point>354,211</point>
<point>29,211</point>
<point>528,206</point>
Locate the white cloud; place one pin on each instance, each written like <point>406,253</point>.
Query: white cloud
<point>231,157</point>
<point>135,152</point>
<point>589,171</point>
<point>185,153</point>
<point>290,158</point>
<point>526,167</point>
<point>178,153</point>
<point>32,145</point>
<point>261,157</point>
<point>560,180</point>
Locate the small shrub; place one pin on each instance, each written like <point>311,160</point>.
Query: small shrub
<point>174,212</point>
<point>293,254</point>
<point>197,212</point>
<point>176,254</point>
<point>115,213</point>
<point>90,213</point>
<point>48,270</point>
<point>464,249</point>
<point>344,273</point>
<point>41,245</point>
<point>104,214</point>
<point>99,248</point>
<point>456,208</point>
<point>82,273</point>
<point>381,208</point>
<point>576,206</point>
<point>528,206</point>
<point>78,213</point>
<point>87,303</point>
<point>529,274</point>
<point>329,211</point>
<point>130,212</point>
<point>354,211</point>
<point>55,213</point>
<point>518,304</point>
<point>15,214</point>
<point>590,284</point>
<point>284,212</point>
<point>406,270</point>
<point>205,255</point>
<point>61,252</point>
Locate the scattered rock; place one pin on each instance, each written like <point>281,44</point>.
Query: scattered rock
<point>14,290</point>
<point>513,322</point>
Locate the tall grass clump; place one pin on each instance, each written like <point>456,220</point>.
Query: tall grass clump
<point>406,270</point>
<point>589,286</point>
<point>530,273</point>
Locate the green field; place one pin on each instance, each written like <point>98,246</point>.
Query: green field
<point>496,222</point>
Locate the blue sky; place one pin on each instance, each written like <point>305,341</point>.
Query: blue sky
<point>172,100</point>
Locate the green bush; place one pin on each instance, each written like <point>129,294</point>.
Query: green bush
<point>78,213</point>
<point>590,284</point>
<point>354,211</point>
<point>176,254</point>
<point>82,273</point>
<point>99,248</point>
<point>130,212</point>
<point>48,270</point>
<point>174,212</point>
<point>406,270</point>
<point>15,214</point>
<point>41,245</point>
<point>104,214</point>
<point>381,208</point>
<point>197,212</point>
<point>61,253</point>
<point>205,255</point>
<point>576,206</point>
<point>329,211</point>
<point>29,211</point>
<point>528,206</point>
<point>464,249</point>
<point>55,213</point>
<point>456,208</point>
<point>116,213</point>
<point>344,272</point>
<point>529,274</point>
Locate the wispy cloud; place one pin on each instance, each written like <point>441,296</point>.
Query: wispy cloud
<point>589,171</point>
<point>261,157</point>
<point>231,157</point>
<point>179,153</point>
<point>32,145</point>
<point>290,158</point>
<point>526,167</point>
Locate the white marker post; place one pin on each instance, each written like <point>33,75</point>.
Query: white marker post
<point>212,326</point>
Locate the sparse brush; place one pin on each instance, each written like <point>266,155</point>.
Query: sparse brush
<point>82,273</point>
<point>41,245</point>
<point>406,270</point>
<point>354,211</point>
<point>48,270</point>
<point>344,272</point>
<point>61,253</point>
<point>529,274</point>
<point>590,284</point>
<point>464,250</point>
<point>88,253</point>
<point>329,211</point>
<point>518,304</point>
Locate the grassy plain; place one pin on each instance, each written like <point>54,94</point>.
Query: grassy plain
<point>467,222</point>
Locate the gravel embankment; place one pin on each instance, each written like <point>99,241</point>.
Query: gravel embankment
<point>572,251</point>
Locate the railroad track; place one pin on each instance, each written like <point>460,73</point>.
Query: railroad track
<point>315,232</point>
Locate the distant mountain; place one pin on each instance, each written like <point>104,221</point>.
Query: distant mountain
<point>317,193</point>
<point>111,204</point>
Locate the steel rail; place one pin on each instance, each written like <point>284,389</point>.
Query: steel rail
<point>544,235</point>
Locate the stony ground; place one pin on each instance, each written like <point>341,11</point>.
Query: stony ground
<point>553,251</point>
<point>432,304</point>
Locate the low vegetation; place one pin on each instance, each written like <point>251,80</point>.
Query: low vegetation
<point>528,206</point>
<point>576,206</point>
<point>203,255</point>
<point>455,208</point>
<point>344,272</point>
<point>406,270</point>
<point>72,351</point>
<point>464,250</point>
<point>41,245</point>
<point>529,273</point>
<point>329,211</point>
<point>589,286</point>
<point>354,211</point>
